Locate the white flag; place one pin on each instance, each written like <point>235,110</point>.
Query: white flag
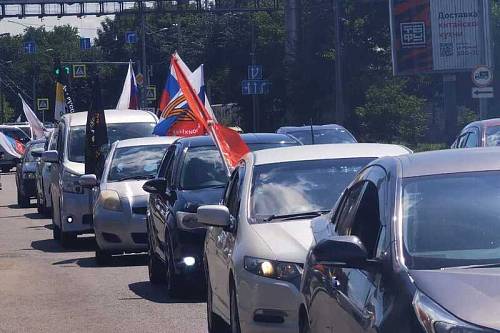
<point>37,129</point>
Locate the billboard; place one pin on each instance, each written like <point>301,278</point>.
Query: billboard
<point>439,35</point>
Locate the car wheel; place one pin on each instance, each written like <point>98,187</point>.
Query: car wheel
<point>102,257</point>
<point>22,201</point>
<point>215,323</point>
<point>56,233</point>
<point>67,239</point>
<point>39,206</point>
<point>156,269</point>
<point>172,280</point>
<point>235,318</point>
<point>304,326</point>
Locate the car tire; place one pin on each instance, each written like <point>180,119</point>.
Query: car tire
<point>234,315</point>
<point>39,206</point>
<point>67,239</point>
<point>171,279</point>
<point>304,326</point>
<point>156,268</point>
<point>22,201</point>
<point>102,257</point>
<point>56,233</point>
<point>215,323</point>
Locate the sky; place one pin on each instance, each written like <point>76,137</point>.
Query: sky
<point>87,25</point>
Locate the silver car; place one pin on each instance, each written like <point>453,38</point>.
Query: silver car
<point>71,203</point>
<point>258,240</point>
<point>119,211</point>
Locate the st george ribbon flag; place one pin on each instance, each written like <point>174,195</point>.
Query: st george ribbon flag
<point>176,116</point>
<point>228,142</point>
<point>63,101</point>
<point>37,128</point>
<point>96,137</point>
<point>11,146</point>
<point>129,99</point>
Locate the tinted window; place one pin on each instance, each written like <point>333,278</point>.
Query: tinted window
<point>493,136</point>
<point>301,186</point>
<point>472,140</point>
<point>136,162</point>
<point>15,133</point>
<point>323,136</point>
<point>202,168</point>
<point>451,220</point>
<point>117,131</point>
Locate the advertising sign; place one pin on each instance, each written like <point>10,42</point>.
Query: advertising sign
<point>439,35</point>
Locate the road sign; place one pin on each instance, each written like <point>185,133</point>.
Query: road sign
<point>482,76</point>
<point>483,92</point>
<point>84,43</point>
<point>255,72</point>
<point>29,47</point>
<point>255,87</point>
<point>131,37</point>
<point>139,78</point>
<point>42,104</point>
<point>151,93</point>
<point>79,71</point>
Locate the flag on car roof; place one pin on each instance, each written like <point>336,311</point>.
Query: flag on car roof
<point>228,142</point>
<point>12,146</point>
<point>37,128</point>
<point>176,117</point>
<point>129,99</point>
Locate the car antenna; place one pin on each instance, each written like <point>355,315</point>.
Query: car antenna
<point>312,132</point>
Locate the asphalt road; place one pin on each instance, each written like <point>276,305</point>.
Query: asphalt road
<point>45,288</point>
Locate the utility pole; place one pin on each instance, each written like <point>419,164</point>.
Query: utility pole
<point>144,69</point>
<point>2,105</point>
<point>255,100</point>
<point>339,91</point>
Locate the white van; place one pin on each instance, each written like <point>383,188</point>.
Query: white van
<point>71,203</point>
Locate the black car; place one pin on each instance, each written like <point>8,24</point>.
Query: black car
<point>26,173</point>
<point>319,134</point>
<point>191,174</point>
<point>412,246</point>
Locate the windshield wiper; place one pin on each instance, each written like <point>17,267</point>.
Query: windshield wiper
<point>135,178</point>
<point>296,215</point>
<point>490,265</point>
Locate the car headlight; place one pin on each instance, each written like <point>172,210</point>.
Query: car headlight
<point>435,319</point>
<point>70,182</point>
<point>29,175</point>
<point>286,271</point>
<point>110,200</point>
<point>188,221</point>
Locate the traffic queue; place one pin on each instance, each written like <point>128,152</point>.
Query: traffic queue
<point>299,237</point>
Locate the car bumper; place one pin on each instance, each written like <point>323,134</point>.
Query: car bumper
<point>120,232</point>
<point>77,207</point>
<point>267,305</point>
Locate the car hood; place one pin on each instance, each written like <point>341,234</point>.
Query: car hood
<point>192,199</point>
<point>129,188</point>
<point>289,240</point>
<point>472,295</point>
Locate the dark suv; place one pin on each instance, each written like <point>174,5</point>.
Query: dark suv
<point>191,174</point>
<point>25,173</point>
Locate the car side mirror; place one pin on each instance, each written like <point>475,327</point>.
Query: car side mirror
<point>88,180</point>
<point>155,186</point>
<point>214,215</point>
<point>342,251</point>
<point>50,156</point>
<point>36,153</point>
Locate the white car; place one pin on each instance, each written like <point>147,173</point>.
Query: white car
<point>259,238</point>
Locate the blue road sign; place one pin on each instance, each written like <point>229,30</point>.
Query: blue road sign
<point>29,47</point>
<point>255,87</point>
<point>131,37</point>
<point>255,72</point>
<point>84,43</point>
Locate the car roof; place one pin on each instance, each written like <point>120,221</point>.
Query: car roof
<point>327,151</point>
<point>112,117</point>
<point>449,161</point>
<point>287,129</point>
<point>206,140</point>
<point>485,123</point>
<point>154,140</point>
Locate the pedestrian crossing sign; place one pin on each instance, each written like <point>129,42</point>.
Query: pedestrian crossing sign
<point>42,104</point>
<point>79,71</point>
<point>151,93</point>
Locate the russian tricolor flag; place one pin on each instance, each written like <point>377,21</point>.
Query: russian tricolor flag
<point>129,99</point>
<point>12,146</point>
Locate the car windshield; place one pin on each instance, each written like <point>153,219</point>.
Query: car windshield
<point>38,147</point>
<point>16,133</point>
<point>323,136</point>
<point>116,131</point>
<point>493,136</point>
<point>140,162</point>
<point>202,168</point>
<point>262,146</point>
<point>451,220</point>
<point>301,186</point>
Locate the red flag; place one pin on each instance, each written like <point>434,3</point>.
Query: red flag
<point>229,142</point>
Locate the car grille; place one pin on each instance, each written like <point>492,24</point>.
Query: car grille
<point>139,210</point>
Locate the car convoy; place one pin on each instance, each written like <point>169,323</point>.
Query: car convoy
<point>303,236</point>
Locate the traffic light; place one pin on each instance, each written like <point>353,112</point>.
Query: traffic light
<point>57,70</point>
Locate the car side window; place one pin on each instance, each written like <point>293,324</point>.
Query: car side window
<point>472,139</point>
<point>166,161</point>
<point>462,139</point>
<point>346,211</point>
<point>60,142</point>
<point>53,140</point>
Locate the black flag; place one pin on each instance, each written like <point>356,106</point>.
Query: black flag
<point>96,141</point>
